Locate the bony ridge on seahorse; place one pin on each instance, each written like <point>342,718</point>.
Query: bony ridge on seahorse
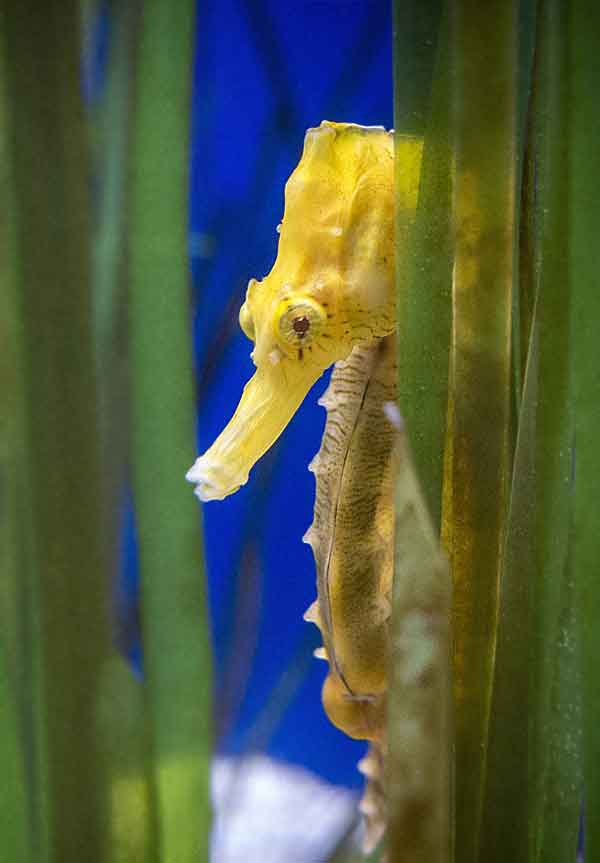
<point>330,298</point>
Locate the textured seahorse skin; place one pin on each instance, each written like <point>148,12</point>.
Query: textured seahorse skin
<point>352,541</point>
<point>352,537</point>
<point>331,287</point>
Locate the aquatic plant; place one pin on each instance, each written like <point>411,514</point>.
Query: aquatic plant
<point>496,383</point>
<point>97,766</point>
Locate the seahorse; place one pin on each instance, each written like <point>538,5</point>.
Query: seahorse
<point>352,541</point>
<point>330,299</point>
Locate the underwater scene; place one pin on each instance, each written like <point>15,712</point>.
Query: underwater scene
<point>299,463</point>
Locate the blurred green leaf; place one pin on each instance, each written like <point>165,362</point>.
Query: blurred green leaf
<point>533,790</point>
<point>122,717</point>
<point>479,450</point>
<point>177,662</point>
<point>58,497</point>
<point>584,261</point>
<point>424,239</point>
<point>505,819</point>
<point>13,800</point>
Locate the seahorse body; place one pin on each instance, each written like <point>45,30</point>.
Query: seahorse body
<point>330,298</point>
<point>352,541</point>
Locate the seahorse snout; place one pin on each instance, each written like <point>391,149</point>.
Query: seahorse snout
<point>270,399</point>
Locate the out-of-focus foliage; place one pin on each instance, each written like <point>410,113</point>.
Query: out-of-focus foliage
<point>498,286</point>
<point>98,766</point>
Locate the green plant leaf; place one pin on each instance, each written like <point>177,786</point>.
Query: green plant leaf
<point>57,499</point>
<point>584,262</point>
<point>424,239</point>
<point>177,661</point>
<point>479,447</point>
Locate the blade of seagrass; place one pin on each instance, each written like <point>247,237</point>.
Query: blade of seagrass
<point>533,768</point>
<point>483,58</point>
<point>122,716</point>
<point>553,724</point>
<point>48,168</point>
<point>124,725</point>
<point>112,126</point>
<point>15,828</point>
<point>423,239</point>
<point>420,705</point>
<point>177,662</point>
<point>524,297</point>
<point>560,731</point>
<point>15,742</point>
<point>584,262</point>
<point>505,819</point>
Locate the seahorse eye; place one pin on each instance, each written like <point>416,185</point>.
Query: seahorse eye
<point>247,322</point>
<point>298,323</point>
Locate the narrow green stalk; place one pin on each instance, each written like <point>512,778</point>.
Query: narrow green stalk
<point>122,717</point>
<point>533,788</point>
<point>483,57</point>
<point>124,727</point>
<point>505,818</point>
<point>13,803</point>
<point>177,662</point>
<point>584,263</point>
<point>61,521</point>
<point>112,125</point>
<point>15,741</point>
<point>554,810</point>
<point>423,239</point>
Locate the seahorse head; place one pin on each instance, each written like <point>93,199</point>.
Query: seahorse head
<point>331,287</point>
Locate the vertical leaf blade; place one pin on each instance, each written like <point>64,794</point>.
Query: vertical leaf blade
<point>478,463</point>
<point>175,633</point>
<point>533,795</point>
<point>423,238</point>
<point>61,516</point>
<point>584,263</point>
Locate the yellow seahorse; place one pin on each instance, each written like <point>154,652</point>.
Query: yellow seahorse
<point>330,298</point>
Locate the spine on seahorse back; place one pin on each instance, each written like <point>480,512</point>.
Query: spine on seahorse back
<point>352,541</point>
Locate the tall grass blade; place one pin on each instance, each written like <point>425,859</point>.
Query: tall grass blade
<point>175,634</point>
<point>13,802</point>
<point>554,794</point>
<point>533,793</point>
<point>48,165</point>
<point>125,731</point>
<point>424,238</point>
<point>14,741</point>
<point>483,38</point>
<point>122,716</point>
<point>505,819</point>
<point>584,262</point>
